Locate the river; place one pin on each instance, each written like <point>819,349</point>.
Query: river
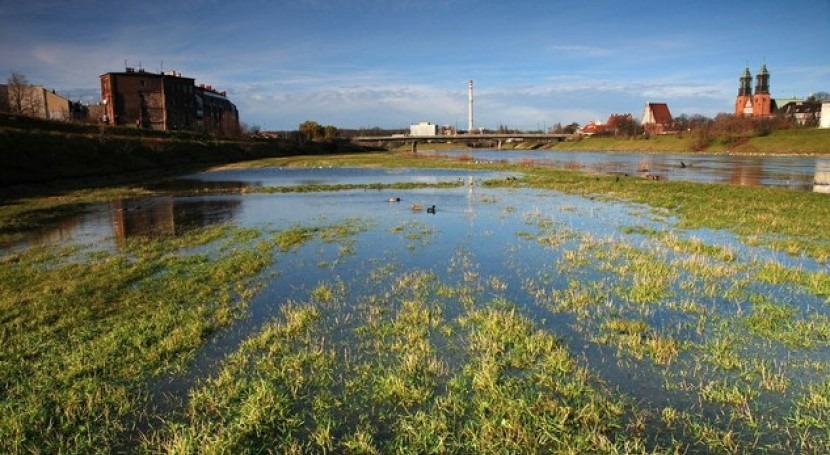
<point>805,173</point>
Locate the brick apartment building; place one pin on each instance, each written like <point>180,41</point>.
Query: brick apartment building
<point>166,101</point>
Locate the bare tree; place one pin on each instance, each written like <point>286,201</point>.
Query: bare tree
<point>819,96</point>
<point>19,94</point>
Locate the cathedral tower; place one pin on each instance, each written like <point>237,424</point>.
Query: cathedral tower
<point>759,104</point>
<point>743,103</point>
<point>761,101</point>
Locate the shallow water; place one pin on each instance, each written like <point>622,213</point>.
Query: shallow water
<point>804,173</point>
<point>526,239</point>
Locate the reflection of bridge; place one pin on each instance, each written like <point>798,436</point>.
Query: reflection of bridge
<point>494,139</point>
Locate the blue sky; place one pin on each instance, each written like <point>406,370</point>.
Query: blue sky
<point>389,63</point>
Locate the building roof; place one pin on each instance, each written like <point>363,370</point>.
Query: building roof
<point>660,113</point>
<point>143,73</point>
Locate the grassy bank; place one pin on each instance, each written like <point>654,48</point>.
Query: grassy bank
<point>40,152</point>
<point>783,142</point>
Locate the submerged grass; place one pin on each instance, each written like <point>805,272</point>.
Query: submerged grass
<point>81,334</point>
<point>291,389</point>
<point>429,364</point>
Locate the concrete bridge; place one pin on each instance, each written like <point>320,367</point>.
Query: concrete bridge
<point>494,139</point>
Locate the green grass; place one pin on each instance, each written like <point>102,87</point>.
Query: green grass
<point>291,389</point>
<point>793,141</point>
<point>82,330</point>
<point>428,360</point>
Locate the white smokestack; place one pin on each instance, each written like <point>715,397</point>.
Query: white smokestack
<point>470,110</point>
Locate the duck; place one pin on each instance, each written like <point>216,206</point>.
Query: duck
<point>431,209</point>
<point>394,199</point>
<point>416,207</point>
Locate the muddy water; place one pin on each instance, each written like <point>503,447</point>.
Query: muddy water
<point>805,173</point>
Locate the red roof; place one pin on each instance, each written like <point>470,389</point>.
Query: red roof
<point>660,113</point>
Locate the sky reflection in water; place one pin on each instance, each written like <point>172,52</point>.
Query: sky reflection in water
<point>807,173</point>
<point>497,230</point>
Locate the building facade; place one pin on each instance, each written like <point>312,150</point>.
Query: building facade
<point>423,129</point>
<point>216,112</point>
<point>758,104</point>
<point>165,101</point>
<point>657,118</point>
<point>36,101</point>
<point>824,117</point>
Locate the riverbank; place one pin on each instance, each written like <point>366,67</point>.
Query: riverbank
<point>39,156</point>
<point>783,142</point>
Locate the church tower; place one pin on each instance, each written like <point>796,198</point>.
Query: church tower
<point>761,101</point>
<point>743,103</point>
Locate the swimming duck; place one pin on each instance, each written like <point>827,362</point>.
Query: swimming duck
<point>431,209</point>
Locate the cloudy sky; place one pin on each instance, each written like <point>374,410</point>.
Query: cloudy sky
<point>389,63</point>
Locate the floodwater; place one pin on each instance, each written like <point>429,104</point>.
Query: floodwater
<point>501,233</point>
<point>807,173</point>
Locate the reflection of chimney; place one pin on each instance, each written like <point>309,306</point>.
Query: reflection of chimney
<point>470,109</point>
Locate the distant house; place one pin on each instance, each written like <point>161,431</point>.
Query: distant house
<point>423,129</point>
<point>166,101</point>
<point>802,113</point>
<point>825,115</point>
<point>657,118</point>
<point>616,124</point>
<point>591,128</point>
<point>36,101</point>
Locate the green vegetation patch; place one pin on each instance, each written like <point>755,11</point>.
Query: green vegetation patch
<point>81,331</point>
<point>417,381</point>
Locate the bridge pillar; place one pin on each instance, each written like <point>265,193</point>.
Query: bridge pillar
<point>414,147</point>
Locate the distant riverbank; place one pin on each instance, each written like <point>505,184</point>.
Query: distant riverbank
<point>784,142</point>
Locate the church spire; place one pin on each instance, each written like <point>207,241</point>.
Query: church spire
<point>745,88</point>
<point>762,81</point>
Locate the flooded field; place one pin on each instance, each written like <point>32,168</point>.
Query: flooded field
<point>436,319</point>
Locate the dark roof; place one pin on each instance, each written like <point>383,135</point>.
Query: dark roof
<point>804,107</point>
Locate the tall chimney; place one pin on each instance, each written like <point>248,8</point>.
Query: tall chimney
<point>470,109</point>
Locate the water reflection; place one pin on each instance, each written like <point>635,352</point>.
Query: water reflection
<point>126,218</point>
<point>167,215</point>
<point>794,172</point>
<point>285,177</point>
<point>822,180</point>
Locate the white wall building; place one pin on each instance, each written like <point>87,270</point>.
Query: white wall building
<point>825,115</point>
<point>423,129</point>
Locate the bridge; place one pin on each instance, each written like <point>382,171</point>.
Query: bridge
<point>494,139</point>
